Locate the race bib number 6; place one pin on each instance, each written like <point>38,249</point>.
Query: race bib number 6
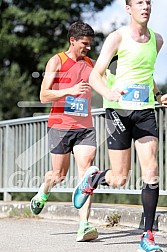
<point>137,93</point>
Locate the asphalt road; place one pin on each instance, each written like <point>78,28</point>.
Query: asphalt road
<point>46,235</point>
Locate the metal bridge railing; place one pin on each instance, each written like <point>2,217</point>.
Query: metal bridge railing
<point>24,156</point>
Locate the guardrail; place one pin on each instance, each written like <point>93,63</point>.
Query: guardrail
<point>24,156</point>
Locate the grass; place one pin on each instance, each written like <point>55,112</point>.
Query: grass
<point>113,220</point>
<point>22,213</point>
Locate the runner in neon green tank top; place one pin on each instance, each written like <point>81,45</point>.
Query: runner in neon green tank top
<point>130,115</point>
<point>139,83</point>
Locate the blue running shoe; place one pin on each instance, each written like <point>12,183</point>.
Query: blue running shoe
<point>147,243</point>
<point>83,189</point>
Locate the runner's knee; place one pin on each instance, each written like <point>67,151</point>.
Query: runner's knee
<point>52,177</point>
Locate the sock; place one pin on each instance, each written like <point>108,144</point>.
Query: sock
<point>43,195</point>
<point>83,223</point>
<point>150,194</point>
<point>98,179</point>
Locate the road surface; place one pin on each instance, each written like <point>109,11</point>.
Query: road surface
<point>46,235</point>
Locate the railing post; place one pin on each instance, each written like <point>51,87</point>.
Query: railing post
<point>8,161</point>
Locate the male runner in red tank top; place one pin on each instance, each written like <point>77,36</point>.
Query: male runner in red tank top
<point>70,127</point>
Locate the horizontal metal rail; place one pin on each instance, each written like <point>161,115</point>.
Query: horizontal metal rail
<point>24,156</point>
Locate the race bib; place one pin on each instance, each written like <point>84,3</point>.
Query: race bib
<point>137,94</point>
<point>76,106</point>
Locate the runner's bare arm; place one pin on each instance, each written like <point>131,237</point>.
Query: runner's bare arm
<point>96,79</point>
<point>47,94</point>
<point>159,43</point>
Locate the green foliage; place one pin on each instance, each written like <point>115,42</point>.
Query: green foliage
<point>15,87</point>
<point>97,100</point>
<point>112,198</point>
<point>56,197</point>
<point>31,32</point>
<point>163,88</point>
<point>106,198</point>
<point>22,213</point>
<point>113,219</point>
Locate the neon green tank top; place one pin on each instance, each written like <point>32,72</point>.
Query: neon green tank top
<point>134,73</point>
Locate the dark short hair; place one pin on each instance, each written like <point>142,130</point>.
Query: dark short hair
<point>128,2</point>
<point>79,30</point>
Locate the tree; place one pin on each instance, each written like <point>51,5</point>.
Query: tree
<point>163,87</point>
<point>32,31</point>
<point>15,87</point>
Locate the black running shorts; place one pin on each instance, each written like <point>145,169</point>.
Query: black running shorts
<point>124,125</point>
<point>63,141</point>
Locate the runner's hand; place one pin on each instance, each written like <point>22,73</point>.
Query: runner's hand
<point>164,100</point>
<point>80,88</point>
<point>115,94</point>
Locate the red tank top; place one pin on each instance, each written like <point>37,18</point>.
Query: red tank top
<point>71,112</point>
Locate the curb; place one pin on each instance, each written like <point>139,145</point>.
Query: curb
<point>130,215</point>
